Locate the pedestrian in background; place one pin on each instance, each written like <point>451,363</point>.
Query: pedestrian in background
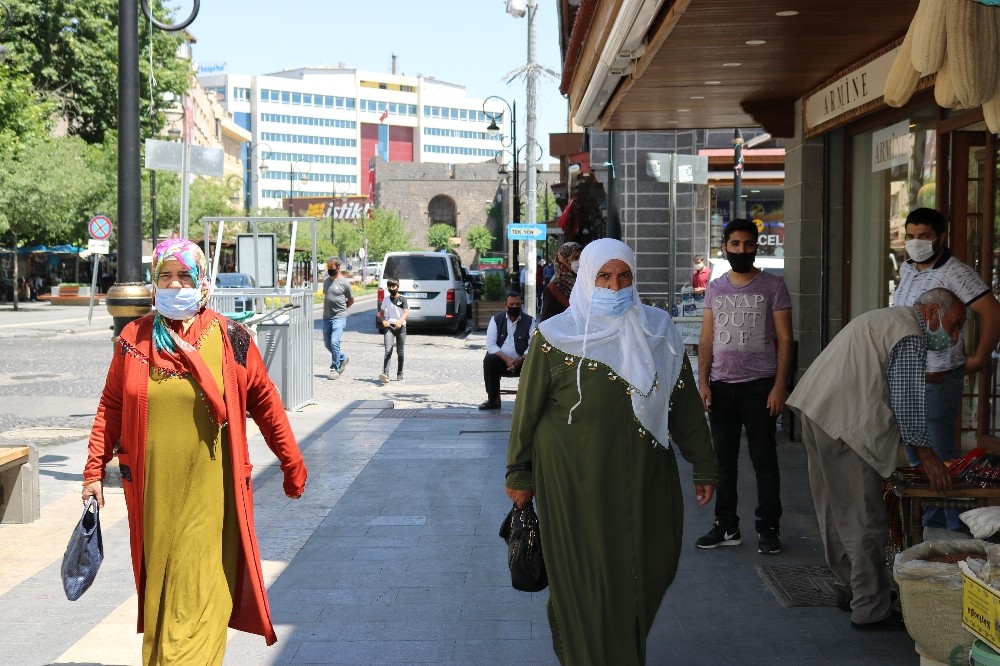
<point>392,314</point>
<point>858,400</point>
<point>605,395</point>
<point>699,278</point>
<point>557,291</point>
<point>507,338</point>
<point>931,265</point>
<point>744,360</point>
<point>337,297</point>
<point>173,410</point>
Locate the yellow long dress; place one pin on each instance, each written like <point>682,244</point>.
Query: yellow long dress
<point>189,521</point>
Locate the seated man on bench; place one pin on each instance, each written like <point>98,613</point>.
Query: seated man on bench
<point>507,339</point>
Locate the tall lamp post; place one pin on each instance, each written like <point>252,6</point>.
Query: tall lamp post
<point>245,184</point>
<point>509,141</point>
<point>303,167</point>
<point>129,298</point>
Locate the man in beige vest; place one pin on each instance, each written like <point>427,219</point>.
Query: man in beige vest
<point>858,401</point>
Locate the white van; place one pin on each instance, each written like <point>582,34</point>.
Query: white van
<point>433,283</point>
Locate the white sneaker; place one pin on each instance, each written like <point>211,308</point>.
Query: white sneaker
<point>333,374</point>
<point>384,378</point>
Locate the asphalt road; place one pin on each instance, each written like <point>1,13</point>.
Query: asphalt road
<point>53,365</point>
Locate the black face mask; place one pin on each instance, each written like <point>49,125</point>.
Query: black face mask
<point>513,313</point>
<point>332,272</point>
<point>741,262</point>
<point>393,290</point>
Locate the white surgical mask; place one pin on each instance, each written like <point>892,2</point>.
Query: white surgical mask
<point>919,250</point>
<point>575,266</point>
<point>610,303</point>
<point>178,304</point>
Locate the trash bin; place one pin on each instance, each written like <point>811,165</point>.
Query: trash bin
<point>274,341</point>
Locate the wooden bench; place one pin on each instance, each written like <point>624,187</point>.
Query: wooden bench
<point>19,495</point>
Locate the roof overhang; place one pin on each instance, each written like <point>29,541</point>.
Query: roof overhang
<point>703,64</point>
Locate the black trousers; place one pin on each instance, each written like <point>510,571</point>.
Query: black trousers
<point>394,337</point>
<point>734,407</point>
<point>493,369</point>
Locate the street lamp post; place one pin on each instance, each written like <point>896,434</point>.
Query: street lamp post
<point>129,298</point>
<point>244,184</point>
<point>511,142</point>
<point>303,167</point>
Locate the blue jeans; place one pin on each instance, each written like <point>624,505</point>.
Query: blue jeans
<point>943,402</point>
<point>333,330</point>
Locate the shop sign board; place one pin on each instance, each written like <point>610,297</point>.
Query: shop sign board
<point>891,146</point>
<point>843,98</point>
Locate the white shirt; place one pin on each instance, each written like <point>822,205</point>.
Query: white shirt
<point>508,344</point>
<point>391,312</point>
<point>951,274</point>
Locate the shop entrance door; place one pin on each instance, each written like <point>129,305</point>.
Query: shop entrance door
<point>974,239</point>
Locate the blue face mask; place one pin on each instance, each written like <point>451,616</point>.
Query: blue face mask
<point>938,340</point>
<point>178,304</point>
<point>610,303</point>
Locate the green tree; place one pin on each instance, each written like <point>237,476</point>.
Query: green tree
<point>24,114</point>
<point>69,50</point>
<point>47,190</point>
<point>386,233</point>
<point>347,237</point>
<point>439,236</point>
<point>207,197</point>
<point>479,239</point>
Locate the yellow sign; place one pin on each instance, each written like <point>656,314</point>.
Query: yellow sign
<point>760,225</point>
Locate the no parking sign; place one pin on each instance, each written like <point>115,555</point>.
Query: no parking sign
<point>99,227</point>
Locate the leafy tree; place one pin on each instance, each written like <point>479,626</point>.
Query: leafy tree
<point>24,114</point>
<point>439,236</point>
<point>47,190</point>
<point>386,233</point>
<point>479,239</point>
<point>69,50</point>
<point>207,197</point>
<point>347,238</point>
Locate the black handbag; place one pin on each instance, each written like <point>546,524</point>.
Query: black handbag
<point>524,549</point>
<point>84,553</point>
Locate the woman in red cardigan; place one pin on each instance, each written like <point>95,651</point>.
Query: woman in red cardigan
<point>180,384</point>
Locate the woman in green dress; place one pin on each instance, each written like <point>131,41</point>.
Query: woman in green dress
<point>606,392</point>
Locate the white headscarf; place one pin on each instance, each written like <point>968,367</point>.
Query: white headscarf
<point>642,346</point>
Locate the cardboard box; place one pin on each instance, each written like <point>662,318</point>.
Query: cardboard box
<point>980,608</point>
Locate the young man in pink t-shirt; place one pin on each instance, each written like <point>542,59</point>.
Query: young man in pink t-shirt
<point>744,359</point>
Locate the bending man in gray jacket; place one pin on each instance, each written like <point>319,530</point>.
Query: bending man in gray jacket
<point>858,401</point>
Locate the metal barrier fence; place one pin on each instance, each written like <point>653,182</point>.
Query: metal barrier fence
<point>283,323</point>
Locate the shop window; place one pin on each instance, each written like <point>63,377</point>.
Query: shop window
<point>892,172</point>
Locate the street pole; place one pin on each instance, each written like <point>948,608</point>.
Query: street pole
<point>152,206</point>
<point>185,175</point>
<point>516,213</point>
<point>129,298</point>
<point>530,255</point>
<point>737,174</point>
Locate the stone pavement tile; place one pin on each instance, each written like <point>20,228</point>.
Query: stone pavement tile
<point>375,652</point>
<point>465,630</point>
<point>510,652</point>
<point>391,611</point>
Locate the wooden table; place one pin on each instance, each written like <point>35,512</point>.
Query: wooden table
<point>915,496</point>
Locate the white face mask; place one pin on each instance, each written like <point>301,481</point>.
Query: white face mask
<point>919,250</point>
<point>575,266</point>
<point>180,304</point>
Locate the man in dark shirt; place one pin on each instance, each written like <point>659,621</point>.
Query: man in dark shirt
<point>337,298</point>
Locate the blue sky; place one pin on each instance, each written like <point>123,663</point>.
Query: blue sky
<point>474,43</point>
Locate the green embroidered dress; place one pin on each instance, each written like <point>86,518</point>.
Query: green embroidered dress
<point>608,496</point>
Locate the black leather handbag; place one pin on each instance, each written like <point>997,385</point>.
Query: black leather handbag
<point>84,553</point>
<point>524,549</point>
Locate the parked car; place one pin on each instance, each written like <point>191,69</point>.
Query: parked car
<point>433,284</point>
<point>238,281</point>
<point>373,271</point>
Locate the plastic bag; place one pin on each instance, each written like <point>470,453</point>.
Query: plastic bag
<point>983,522</point>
